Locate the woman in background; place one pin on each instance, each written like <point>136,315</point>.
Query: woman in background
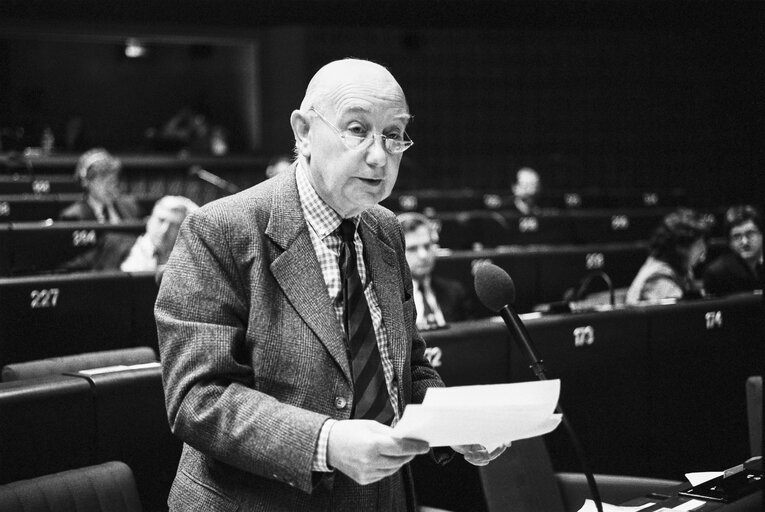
<point>676,246</point>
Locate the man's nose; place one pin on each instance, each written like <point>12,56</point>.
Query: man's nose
<point>377,156</point>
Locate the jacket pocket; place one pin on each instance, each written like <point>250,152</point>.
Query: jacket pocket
<point>191,494</point>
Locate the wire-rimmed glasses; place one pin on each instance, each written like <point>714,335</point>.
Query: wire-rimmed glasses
<point>361,142</point>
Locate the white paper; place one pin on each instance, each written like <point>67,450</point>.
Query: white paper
<point>490,415</point>
<point>690,505</point>
<point>702,476</point>
<point>589,506</point>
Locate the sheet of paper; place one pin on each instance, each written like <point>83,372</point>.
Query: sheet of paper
<point>490,415</point>
<point>702,476</point>
<point>589,506</point>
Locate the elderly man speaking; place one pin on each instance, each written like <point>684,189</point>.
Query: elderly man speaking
<point>287,325</point>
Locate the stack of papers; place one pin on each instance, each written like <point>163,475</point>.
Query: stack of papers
<point>489,415</point>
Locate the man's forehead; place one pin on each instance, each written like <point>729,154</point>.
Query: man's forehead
<point>392,110</point>
<point>744,226</point>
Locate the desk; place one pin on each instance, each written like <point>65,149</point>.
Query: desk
<point>749,503</point>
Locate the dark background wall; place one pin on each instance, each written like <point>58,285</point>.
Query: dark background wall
<point>632,95</point>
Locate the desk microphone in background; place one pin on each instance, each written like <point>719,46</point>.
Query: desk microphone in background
<point>213,179</point>
<point>496,290</point>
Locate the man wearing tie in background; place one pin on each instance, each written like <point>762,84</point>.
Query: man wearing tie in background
<point>438,300</point>
<point>99,174</point>
<point>287,325</point>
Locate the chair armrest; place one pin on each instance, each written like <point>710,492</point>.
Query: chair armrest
<point>614,489</point>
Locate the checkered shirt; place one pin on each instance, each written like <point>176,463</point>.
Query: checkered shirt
<point>323,222</point>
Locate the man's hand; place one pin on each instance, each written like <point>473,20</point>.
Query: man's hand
<point>477,455</point>
<point>366,450</point>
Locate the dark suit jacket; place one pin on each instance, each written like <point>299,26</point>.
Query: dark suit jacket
<point>452,298</point>
<point>254,359</point>
<point>730,274</point>
<point>126,206</point>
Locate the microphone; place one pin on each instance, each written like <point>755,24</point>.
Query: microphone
<point>213,179</point>
<point>496,291</point>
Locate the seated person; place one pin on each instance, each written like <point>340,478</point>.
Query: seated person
<point>740,269</point>
<point>151,250</point>
<point>438,300</point>
<point>147,252</point>
<point>526,191</point>
<point>99,174</point>
<point>676,246</point>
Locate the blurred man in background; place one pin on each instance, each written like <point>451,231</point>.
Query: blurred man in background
<point>98,171</point>
<point>740,269</point>
<point>151,250</point>
<point>438,300</point>
<point>526,190</point>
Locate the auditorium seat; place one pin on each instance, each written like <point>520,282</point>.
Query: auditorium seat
<point>107,487</point>
<point>722,340</point>
<point>472,352</point>
<point>77,362</point>
<point>551,228</point>
<point>47,425</point>
<point>523,480</point>
<point>144,293</point>
<point>15,208</point>
<point>132,427</point>
<point>58,315</point>
<point>601,359</point>
<point>519,263</point>
<point>754,413</point>
<point>561,268</point>
<point>46,246</point>
<point>38,184</point>
<point>615,224</point>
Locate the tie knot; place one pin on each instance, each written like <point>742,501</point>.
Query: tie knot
<point>347,231</point>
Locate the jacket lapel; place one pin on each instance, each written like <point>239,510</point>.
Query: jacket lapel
<point>385,276</point>
<point>297,270</point>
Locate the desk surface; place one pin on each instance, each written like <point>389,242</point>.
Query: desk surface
<point>751,502</point>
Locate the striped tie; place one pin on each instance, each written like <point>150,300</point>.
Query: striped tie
<point>371,400</point>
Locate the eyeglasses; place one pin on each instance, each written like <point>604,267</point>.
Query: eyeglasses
<point>749,235</point>
<point>362,140</point>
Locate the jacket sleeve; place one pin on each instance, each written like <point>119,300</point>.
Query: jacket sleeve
<point>207,369</point>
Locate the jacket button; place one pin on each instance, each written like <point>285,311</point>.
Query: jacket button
<point>340,402</point>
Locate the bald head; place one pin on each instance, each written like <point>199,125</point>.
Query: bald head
<point>352,114</point>
<point>342,81</point>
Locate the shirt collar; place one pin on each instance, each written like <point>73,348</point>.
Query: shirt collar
<point>319,215</point>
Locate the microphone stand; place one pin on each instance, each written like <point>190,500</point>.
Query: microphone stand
<point>515,325</point>
<point>213,179</point>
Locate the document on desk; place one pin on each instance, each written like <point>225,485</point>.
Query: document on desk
<point>490,415</point>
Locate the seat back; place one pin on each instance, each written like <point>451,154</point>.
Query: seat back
<point>77,362</point>
<point>46,425</point>
<point>132,427</point>
<point>58,315</point>
<point>522,479</point>
<point>754,413</point>
<point>107,487</point>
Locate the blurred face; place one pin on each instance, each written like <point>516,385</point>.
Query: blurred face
<point>746,241</point>
<point>105,187</point>
<point>527,185</point>
<point>352,180</point>
<point>162,227</point>
<point>420,252</point>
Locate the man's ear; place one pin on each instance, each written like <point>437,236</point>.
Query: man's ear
<point>301,128</point>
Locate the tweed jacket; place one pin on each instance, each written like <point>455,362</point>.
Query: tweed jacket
<point>254,359</point>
